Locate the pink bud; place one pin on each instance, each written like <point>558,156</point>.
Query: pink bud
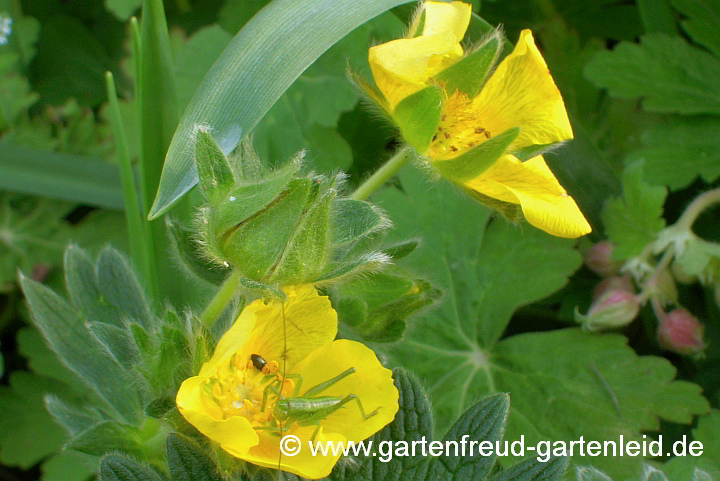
<point>615,283</point>
<point>599,259</point>
<point>681,332</point>
<point>614,308</point>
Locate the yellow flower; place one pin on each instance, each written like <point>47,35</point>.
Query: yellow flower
<point>294,340</point>
<point>480,123</point>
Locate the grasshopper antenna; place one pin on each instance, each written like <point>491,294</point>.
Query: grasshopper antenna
<point>282,385</point>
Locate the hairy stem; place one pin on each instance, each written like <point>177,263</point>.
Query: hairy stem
<point>382,175</point>
<point>221,300</point>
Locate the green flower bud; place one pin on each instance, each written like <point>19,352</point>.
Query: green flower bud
<point>279,227</point>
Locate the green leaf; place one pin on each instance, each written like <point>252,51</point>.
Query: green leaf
<point>477,160</point>
<point>70,62</point>
<point>73,418</point>
<point>534,470</point>
<point>69,466</point>
<point>701,24</point>
<point>120,468</point>
<point>681,468</point>
<point>233,97</point>
<point>188,461</point>
<point>657,16</point>
<point>42,360</point>
<point>158,102</point>
<point>60,176</point>
<point>29,433</point>
<point>633,221</point>
<point>680,150</point>
<point>353,220</point>
<point>588,473</point>
<point>190,252</point>
<point>34,235</point>
<point>64,329</point>
<point>216,176</point>
<point>82,284</point>
<point>418,116</point>
<point>107,437</point>
<point>468,74</point>
<point>683,75</point>
<point>120,288</point>
<point>700,258</point>
<point>485,421</point>
<point>596,385</point>
<point>377,307</point>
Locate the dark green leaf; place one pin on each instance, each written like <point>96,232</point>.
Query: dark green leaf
<point>29,433</point>
<point>680,150</point>
<point>657,16</point>
<point>120,468</point>
<point>701,24</point>
<point>534,470</point>
<point>485,421</point>
<point>70,62</point>
<point>188,461</point>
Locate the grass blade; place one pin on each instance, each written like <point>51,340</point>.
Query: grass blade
<point>60,176</point>
<point>141,247</point>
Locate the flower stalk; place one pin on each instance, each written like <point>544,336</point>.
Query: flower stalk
<point>382,175</point>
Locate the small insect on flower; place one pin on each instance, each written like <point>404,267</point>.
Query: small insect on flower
<point>279,371</point>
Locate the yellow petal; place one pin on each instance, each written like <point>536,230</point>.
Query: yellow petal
<point>233,340</point>
<point>521,93</point>
<point>287,331</point>
<point>447,17</point>
<point>371,383</point>
<point>267,454</point>
<point>234,433</point>
<point>402,67</point>
<point>545,204</point>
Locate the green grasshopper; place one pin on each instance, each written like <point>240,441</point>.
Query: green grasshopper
<point>308,409</point>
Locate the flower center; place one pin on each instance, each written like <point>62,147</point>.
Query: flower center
<point>459,130</point>
<point>239,388</point>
